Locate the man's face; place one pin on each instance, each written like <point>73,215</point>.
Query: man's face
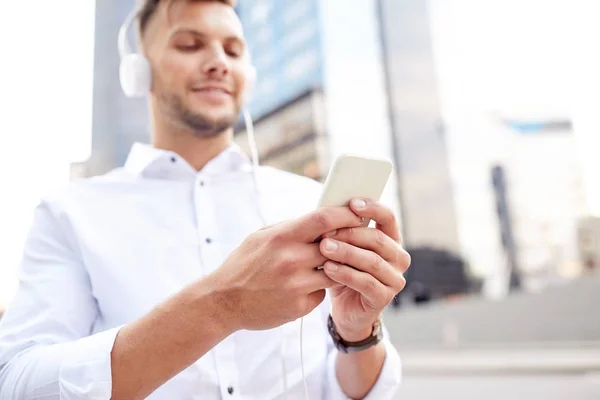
<point>199,62</point>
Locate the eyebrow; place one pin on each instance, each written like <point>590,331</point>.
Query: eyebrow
<point>234,38</point>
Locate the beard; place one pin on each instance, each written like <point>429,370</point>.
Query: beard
<point>199,124</point>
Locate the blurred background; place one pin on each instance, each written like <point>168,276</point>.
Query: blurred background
<point>489,109</point>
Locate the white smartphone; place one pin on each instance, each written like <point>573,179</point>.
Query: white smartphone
<point>352,176</point>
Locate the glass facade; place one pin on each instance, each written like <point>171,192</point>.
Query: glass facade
<point>117,121</point>
<point>284,41</point>
<point>426,188</point>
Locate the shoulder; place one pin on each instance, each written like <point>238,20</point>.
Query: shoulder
<point>83,190</point>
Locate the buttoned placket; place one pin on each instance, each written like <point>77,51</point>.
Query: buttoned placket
<point>211,257</point>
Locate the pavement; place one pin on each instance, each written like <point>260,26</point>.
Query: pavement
<point>501,373</point>
<point>505,387</point>
<point>502,360</point>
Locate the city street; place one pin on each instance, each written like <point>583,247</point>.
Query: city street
<point>516,387</point>
<point>531,346</point>
<point>502,374</point>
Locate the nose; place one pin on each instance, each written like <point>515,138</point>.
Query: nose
<point>217,64</point>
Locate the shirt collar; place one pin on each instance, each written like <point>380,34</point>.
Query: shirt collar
<point>149,162</point>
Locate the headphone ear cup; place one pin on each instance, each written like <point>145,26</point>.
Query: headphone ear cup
<point>135,75</point>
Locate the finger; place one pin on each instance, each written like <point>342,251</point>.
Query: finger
<point>317,280</point>
<point>369,239</point>
<point>382,215</point>
<point>307,256</point>
<point>376,294</point>
<point>363,260</point>
<point>375,240</point>
<point>299,263</point>
<point>311,226</point>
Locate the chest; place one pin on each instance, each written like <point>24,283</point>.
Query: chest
<point>143,246</point>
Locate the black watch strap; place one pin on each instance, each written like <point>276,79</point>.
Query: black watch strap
<point>351,347</point>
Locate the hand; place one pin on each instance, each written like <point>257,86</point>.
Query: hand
<point>368,265</point>
<point>272,277</point>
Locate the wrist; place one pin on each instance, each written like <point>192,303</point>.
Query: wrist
<point>206,300</point>
<point>355,340</point>
<point>353,336</point>
<point>356,333</point>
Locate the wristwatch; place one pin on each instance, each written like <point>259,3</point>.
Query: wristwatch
<point>352,347</point>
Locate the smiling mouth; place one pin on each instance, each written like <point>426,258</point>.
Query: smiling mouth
<point>217,91</point>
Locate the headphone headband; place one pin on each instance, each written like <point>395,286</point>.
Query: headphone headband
<point>123,44</point>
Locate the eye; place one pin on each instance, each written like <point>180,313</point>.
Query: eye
<point>234,50</point>
<point>234,53</point>
<point>187,46</point>
<point>187,43</point>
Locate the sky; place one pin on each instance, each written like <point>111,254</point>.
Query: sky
<point>542,49</point>
<point>45,111</point>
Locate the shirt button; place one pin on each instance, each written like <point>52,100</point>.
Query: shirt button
<point>201,183</point>
<point>230,390</point>
<point>208,240</point>
<point>173,159</point>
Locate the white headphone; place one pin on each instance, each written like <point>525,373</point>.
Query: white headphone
<point>135,73</point>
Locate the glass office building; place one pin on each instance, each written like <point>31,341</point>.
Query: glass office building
<point>284,41</point>
<point>117,121</point>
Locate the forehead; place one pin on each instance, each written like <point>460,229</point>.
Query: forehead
<point>212,18</point>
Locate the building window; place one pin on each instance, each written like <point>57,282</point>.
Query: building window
<point>301,64</point>
<point>265,60</point>
<point>259,13</point>
<point>295,11</point>
<point>299,36</point>
<point>266,86</point>
<point>263,35</point>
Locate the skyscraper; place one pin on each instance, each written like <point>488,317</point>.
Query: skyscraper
<point>421,149</point>
<point>117,121</point>
<point>321,88</point>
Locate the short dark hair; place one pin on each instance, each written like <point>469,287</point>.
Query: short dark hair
<point>149,7</point>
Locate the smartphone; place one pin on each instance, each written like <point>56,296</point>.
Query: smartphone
<point>353,176</point>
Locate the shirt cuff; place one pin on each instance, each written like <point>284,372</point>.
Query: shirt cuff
<point>85,371</point>
<point>387,384</point>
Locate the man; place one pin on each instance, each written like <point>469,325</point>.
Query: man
<point>158,280</point>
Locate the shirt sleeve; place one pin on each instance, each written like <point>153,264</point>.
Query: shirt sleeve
<point>388,383</point>
<point>46,351</point>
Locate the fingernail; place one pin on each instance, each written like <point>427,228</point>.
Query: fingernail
<point>331,245</point>
<point>358,203</point>
<point>332,267</point>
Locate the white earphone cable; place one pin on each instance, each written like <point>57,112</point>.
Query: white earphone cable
<point>255,163</point>
<point>251,138</point>
<point>302,360</point>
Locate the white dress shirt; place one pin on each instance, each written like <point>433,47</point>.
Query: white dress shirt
<point>104,251</point>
